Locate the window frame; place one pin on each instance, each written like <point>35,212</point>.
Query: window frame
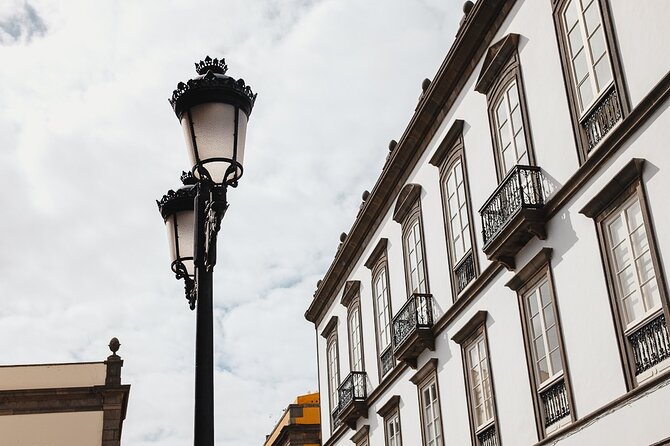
<point>388,411</point>
<point>471,332</point>
<point>625,185</point>
<point>528,278</point>
<point>577,116</point>
<point>413,219</point>
<point>425,377</point>
<point>511,72</point>
<point>378,264</point>
<point>330,335</point>
<point>407,212</point>
<point>355,304</point>
<point>452,150</point>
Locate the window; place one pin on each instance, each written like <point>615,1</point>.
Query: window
<point>355,341</point>
<point>429,404</point>
<point>589,61</point>
<point>591,68</point>
<point>509,128</point>
<point>416,274</point>
<point>633,271</point>
<point>382,307</point>
<point>500,80</point>
<point>362,436</point>
<point>391,414</point>
<point>637,289</point>
<point>408,213</point>
<point>332,370</point>
<point>450,159</point>
<point>552,396</point>
<point>481,401</point>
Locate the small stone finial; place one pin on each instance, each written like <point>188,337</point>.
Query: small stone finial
<point>392,145</point>
<point>467,7</point>
<point>114,345</point>
<point>425,84</point>
<point>214,65</point>
<point>366,195</point>
<point>343,237</point>
<point>318,283</point>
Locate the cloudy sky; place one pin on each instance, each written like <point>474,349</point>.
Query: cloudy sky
<point>88,141</point>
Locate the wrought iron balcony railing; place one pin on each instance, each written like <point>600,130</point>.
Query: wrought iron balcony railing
<point>352,389</point>
<point>522,188</point>
<point>386,360</point>
<point>488,436</point>
<point>602,118</point>
<point>464,271</point>
<point>352,394</point>
<point>650,344</point>
<point>555,403</point>
<point>335,417</point>
<point>415,314</point>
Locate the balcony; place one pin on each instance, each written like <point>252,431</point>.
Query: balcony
<point>352,394</point>
<point>464,271</point>
<point>488,437</point>
<point>604,116</point>
<point>335,418</point>
<point>413,329</point>
<point>555,404</point>
<point>514,214</point>
<point>387,361</point>
<point>650,344</point>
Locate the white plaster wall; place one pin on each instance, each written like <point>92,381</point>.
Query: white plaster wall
<point>52,429</point>
<point>52,375</point>
<point>641,30</point>
<point>593,359</point>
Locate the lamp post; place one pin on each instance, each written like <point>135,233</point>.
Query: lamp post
<point>213,110</point>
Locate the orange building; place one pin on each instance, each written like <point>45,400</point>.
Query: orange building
<point>300,424</point>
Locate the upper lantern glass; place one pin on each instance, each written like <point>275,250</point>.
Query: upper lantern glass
<point>213,110</point>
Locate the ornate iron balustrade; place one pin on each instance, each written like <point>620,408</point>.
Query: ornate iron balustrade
<point>335,417</point>
<point>416,313</point>
<point>387,360</point>
<point>352,389</point>
<point>522,188</point>
<point>650,344</point>
<point>464,271</point>
<point>488,437</point>
<point>602,118</point>
<point>555,403</point>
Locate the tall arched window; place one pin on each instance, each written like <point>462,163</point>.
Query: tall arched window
<point>355,338</point>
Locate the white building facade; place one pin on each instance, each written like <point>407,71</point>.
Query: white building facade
<point>505,280</point>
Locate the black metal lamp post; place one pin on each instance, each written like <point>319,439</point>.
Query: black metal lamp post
<point>213,110</point>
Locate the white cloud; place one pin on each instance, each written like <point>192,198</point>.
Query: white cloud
<point>88,141</point>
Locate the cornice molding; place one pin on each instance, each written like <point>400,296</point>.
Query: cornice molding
<point>496,58</point>
<point>470,326</point>
<point>408,198</point>
<point>449,142</point>
<point>630,173</point>
<point>530,269</point>
<point>351,289</point>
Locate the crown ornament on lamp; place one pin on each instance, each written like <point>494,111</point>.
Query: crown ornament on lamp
<point>214,65</point>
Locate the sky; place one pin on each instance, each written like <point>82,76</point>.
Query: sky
<point>88,142</point>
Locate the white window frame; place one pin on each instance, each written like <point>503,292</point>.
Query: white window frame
<point>355,338</point>
<point>479,343</point>
<point>431,416</point>
<point>650,311</point>
<point>415,258</point>
<point>597,86</point>
<point>505,98</point>
<point>392,430</point>
<point>460,237</point>
<point>333,371</point>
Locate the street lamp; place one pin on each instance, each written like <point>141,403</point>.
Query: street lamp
<point>213,110</point>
